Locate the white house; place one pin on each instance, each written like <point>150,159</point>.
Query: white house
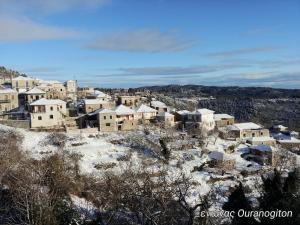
<point>125,118</point>
<point>167,118</point>
<point>202,118</point>
<point>144,112</point>
<point>159,106</point>
<point>34,94</point>
<point>91,105</point>
<point>101,95</point>
<point>48,113</point>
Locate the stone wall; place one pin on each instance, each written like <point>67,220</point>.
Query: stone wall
<point>16,123</point>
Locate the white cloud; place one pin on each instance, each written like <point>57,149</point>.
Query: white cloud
<point>144,40</point>
<point>24,29</point>
<point>244,51</point>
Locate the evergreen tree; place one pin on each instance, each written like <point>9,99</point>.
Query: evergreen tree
<point>237,201</point>
<point>281,194</point>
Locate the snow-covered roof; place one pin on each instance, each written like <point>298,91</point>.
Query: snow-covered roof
<point>262,148</point>
<point>245,126</point>
<point>94,101</point>
<point>290,141</point>
<point>7,91</point>
<point>218,117</point>
<point>164,114</point>
<point>158,104</point>
<point>35,90</point>
<point>215,155</point>
<point>22,78</point>
<point>203,111</point>
<point>101,111</point>
<point>123,110</point>
<point>144,109</point>
<point>44,101</point>
<point>183,112</point>
<point>281,127</point>
<point>22,90</point>
<point>106,111</point>
<point>262,139</point>
<point>100,94</point>
<point>49,82</point>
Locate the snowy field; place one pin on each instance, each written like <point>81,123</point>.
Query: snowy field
<point>101,153</point>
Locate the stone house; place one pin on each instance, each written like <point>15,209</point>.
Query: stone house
<point>145,113</point>
<point>292,143</point>
<point>107,119</point>
<point>201,119</point>
<point>181,115</point>
<point>91,105</point>
<point>8,100</point>
<point>261,154</point>
<point>54,89</point>
<point>99,95</point>
<point>223,120</point>
<point>48,113</point>
<point>159,106</point>
<point>33,95</point>
<point>129,101</point>
<point>246,131</point>
<point>262,141</point>
<point>220,160</point>
<point>22,84</point>
<point>125,118</point>
<point>166,118</point>
<point>82,92</point>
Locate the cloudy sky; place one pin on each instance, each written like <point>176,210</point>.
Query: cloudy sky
<point>131,43</point>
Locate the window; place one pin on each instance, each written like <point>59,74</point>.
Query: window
<point>244,135</point>
<point>261,133</point>
<point>51,108</point>
<point>107,124</point>
<point>61,107</point>
<point>105,117</point>
<point>39,118</point>
<point>110,117</point>
<point>12,97</point>
<point>253,134</point>
<point>51,116</point>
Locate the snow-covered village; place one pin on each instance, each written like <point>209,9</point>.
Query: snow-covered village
<point>139,112</point>
<point>201,156</point>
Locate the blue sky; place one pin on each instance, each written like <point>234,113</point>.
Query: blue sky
<point>118,43</point>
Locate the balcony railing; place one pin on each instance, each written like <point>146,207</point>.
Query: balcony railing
<point>39,111</point>
<point>5,101</point>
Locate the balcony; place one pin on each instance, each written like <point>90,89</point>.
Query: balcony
<point>38,111</point>
<point>5,101</point>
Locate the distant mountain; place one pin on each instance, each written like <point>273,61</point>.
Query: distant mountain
<point>229,92</point>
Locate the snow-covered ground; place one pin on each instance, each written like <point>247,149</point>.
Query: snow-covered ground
<point>102,153</point>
